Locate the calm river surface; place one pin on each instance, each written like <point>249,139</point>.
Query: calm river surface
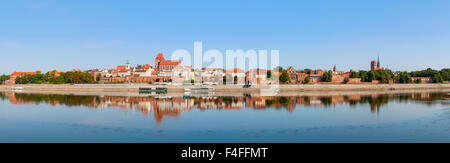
<point>385,117</point>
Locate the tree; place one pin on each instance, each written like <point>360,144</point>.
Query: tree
<point>424,73</point>
<point>354,75</point>
<point>418,81</point>
<point>307,80</point>
<point>405,78</point>
<point>278,69</point>
<point>99,76</point>
<point>327,76</point>
<point>49,77</point>
<point>445,73</point>
<point>371,76</point>
<point>284,77</point>
<point>224,79</point>
<point>4,78</point>
<point>269,74</point>
<point>235,79</point>
<point>363,75</point>
<point>437,78</point>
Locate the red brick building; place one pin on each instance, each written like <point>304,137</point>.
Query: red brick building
<point>162,64</point>
<point>15,75</point>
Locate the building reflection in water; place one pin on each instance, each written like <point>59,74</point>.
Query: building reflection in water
<point>174,106</point>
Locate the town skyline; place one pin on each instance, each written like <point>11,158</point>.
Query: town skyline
<point>173,71</point>
<point>127,60</point>
<point>63,35</point>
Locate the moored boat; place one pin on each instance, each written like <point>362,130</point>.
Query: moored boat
<point>152,90</point>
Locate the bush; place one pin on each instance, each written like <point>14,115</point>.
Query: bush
<point>418,81</point>
<point>327,77</point>
<point>284,77</point>
<point>437,78</point>
<point>346,80</point>
<point>307,80</point>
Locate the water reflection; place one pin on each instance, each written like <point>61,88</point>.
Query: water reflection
<point>161,107</point>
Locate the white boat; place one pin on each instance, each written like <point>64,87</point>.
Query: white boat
<point>199,89</point>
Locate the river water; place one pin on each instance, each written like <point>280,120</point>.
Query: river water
<point>374,117</point>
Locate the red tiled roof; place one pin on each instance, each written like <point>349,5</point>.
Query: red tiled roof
<point>121,67</point>
<point>164,62</point>
<point>170,62</point>
<point>146,67</point>
<point>160,56</point>
<point>235,70</point>
<point>56,72</point>
<point>22,73</point>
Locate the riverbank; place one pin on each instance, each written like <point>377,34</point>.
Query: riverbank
<point>123,89</point>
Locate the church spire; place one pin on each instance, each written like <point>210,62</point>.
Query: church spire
<point>378,62</point>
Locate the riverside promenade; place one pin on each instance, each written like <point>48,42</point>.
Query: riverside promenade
<point>223,89</point>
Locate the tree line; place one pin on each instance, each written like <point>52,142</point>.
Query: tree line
<point>402,76</point>
<point>384,76</point>
<point>51,78</point>
<point>4,78</point>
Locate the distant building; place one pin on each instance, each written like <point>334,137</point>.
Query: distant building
<point>257,76</point>
<point>165,65</point>
<point>15,75</point>
<point>55,73</point>
<point>235,73</point>
<point>375,65</point>
<point>292,74</point>
<point>422,79</point>
<point>301,77</point>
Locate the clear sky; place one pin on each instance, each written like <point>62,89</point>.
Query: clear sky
<point>67,34</point>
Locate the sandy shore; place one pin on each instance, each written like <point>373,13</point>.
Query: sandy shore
<point>284,90</point>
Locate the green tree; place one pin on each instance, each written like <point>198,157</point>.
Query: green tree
<point>371,76</point>
<point>363,75</point>
<point>69,77</point>
<point>278,69</point>
<point>327,76</point>
<point>284,77</point>
<point>235,79</point>
<point>269,74</point>
<point>424,73</point>
<point>405,78</point>
<point>4,78</point>
<point>445,73</point>
<point>99,76</point>
<point>354,75</point>
<point>418,81</point>
<point>437,78</point>
<point>307,80</point>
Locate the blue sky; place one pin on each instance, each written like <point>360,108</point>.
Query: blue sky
<point>63,35</point>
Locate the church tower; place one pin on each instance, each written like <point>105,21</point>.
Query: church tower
<point>378,62</point>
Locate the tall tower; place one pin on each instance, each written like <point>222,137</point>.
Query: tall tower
<point>378,62</point>
<point>159,58</point>
<point>128,64</point>
<point>373,65</point>
<point>334,68</point>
